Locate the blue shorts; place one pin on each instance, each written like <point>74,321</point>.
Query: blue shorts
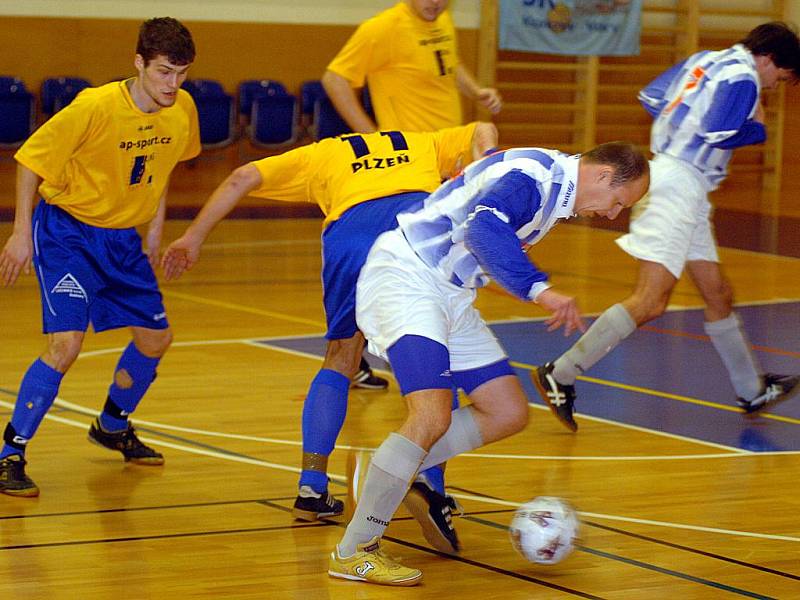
<point>92,275</point>
<point>345,245</point>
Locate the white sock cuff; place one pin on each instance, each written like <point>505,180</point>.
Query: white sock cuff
<point>620,320</point>
<point>398,456</point>
<point>722,325</point>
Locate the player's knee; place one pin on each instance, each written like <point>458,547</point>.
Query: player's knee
<point>646,307</point>
<point>155,344</point>
<point>515,415</point>
<point>62,351</point>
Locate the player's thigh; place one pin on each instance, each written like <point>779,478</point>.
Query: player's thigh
<point>130,296</point>
<point>663,226</point>
<point>398,295</point>
<point>471,343</point>
<point>69,280</point>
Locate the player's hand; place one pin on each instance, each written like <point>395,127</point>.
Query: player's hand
<point>15,257</point>
<point>491,99</point>
<point>563,310</point>
<point>181,255</point>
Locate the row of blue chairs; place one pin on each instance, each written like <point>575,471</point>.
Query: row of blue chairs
<point>269,115</point>
<point>18,105</point>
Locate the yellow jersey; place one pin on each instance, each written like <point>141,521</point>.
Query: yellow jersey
<point>338,173</point>
<point>106,162</point>
<point>410,66</point>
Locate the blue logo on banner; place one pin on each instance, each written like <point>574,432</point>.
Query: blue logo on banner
<point>574,27</point>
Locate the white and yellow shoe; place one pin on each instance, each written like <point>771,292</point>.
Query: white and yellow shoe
<point>370,564</point>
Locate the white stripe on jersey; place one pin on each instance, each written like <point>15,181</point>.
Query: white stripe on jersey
<point>436,231</point>
<point>678,129</point>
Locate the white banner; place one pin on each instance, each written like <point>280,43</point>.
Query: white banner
<point>574,27</point>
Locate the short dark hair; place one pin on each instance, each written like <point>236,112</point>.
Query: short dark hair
<point>167,37</point>
<point>779,41</point>
<point>628,161</point>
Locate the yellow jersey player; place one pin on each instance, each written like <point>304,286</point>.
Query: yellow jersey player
<point>408,56</point>
<point>361,183</point>
<point>101,167</point>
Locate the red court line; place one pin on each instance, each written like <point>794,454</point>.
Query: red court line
<point>705,338</point>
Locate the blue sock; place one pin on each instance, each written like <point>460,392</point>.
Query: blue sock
<point>36,394</point>
<point>132,378</point>
<point>435,475</point>
<point>323,416</point>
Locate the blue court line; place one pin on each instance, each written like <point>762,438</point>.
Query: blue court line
<point>679,365</point>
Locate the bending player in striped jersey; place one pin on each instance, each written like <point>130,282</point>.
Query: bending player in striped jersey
<point>414,304</point>
<point>703,107</point>
<point>361,183</point>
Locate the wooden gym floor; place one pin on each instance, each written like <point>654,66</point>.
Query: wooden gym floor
<point>680,496</point>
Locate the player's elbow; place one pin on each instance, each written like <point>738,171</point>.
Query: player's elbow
<point>244,179</point>
<point>485,138</point>
<point>333,83</point>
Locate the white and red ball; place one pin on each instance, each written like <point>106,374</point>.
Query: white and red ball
<point>544,530</point>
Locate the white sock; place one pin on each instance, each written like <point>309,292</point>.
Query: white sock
<point>391,471</point>
<point>605,334</point>
<point>463,435</point>
<point>733,348</point>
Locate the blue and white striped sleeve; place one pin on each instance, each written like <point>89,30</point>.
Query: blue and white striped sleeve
<point>508,204</point>
<point>653,97</point>
<point>726,123</point>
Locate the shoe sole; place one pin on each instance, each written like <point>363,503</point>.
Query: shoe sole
<point>396,583</point>
<point>145,462</point>
<point>27,493</point>
<point>418,507</point>
<point>311,516</point>
<point>370,386</point>
<point>534,375</point>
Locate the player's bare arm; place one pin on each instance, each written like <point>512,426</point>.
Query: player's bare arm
<point>487,96</point>
<point>156,229</point>
<point>346,102</point>
<point>182,254</point>
<point>18,251</point>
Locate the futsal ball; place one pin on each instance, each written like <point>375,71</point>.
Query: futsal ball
<point>544,530</point>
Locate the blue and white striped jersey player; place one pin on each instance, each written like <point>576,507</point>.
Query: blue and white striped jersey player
<point>703,108</point>
<point>414,303</point>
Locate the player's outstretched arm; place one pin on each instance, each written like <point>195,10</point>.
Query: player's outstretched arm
<point>18,251</point>
<point>563,311</point>
<point>182,254</point>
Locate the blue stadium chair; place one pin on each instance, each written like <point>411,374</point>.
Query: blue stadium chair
<point>58,92</point>
<point>253,89</point>
<point>327,122</point>
<point>310,92</point>
<point>17,112</point>
<point>273,121</point>
<point>215,112</point>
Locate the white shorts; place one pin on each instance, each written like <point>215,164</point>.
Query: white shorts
<point>399,295</point>
<point>672,223</point>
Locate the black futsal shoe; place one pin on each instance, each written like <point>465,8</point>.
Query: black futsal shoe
<point>559,398</point>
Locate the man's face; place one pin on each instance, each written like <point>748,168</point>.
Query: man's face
<point>428,10</point>
<point>601,199</point>
<point>161,79</point>
<point>771,76</point>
